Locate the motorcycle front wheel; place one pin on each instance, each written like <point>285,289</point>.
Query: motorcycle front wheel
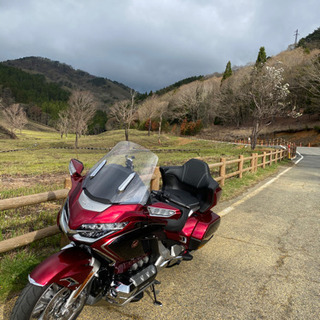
<point>47,303</point>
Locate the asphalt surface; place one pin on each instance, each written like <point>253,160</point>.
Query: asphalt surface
<point>263,263</point>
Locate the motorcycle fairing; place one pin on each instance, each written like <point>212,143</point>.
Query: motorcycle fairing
<point>115,179</point>
<point>69,268</point>
<point>197,231</point>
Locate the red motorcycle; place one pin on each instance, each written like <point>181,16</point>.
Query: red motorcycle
<point>121,233</point>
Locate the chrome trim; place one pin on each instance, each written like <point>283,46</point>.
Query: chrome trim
<point>75,294</point>
<point>183,239</point>
<point>72,282</point>
<point>34,282</point>
<point>91,205</point>
<point>63,221</point>
<point>143,275</point>
<point>176,250</point>
<point>72,169</point>
<point>120,294</point>
<point>98,168</point>
<point>152,213</point>
<point>83,238</point>
<point>69,245</point>
<point>78,237</point>
<point>126,182</point>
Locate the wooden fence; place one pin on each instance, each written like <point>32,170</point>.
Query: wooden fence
<point>223,171</point>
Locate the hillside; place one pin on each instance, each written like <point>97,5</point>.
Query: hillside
<point>311,41</point>
<point>105,90</point>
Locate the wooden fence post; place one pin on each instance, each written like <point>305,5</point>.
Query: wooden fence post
<point>240,166</point>
<point>67,183</point>
<point>155,182</point>
<point>252,162</point>
<point>264,159</point>
<point>222,172</point>
<point>256,162</point>
<point>276,157</point>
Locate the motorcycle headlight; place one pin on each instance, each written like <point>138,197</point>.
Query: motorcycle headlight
<point>94,231</point>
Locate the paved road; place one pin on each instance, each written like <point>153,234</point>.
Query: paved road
<point>262,264</point>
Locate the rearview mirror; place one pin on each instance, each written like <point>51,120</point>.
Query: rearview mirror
<point>75,167</point>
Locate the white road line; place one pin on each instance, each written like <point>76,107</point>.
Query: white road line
<point>301,157</point>
<point>253,193</point>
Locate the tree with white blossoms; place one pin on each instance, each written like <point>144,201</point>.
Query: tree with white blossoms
<point>267,94</point>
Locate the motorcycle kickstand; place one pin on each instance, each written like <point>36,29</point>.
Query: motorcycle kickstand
<point>155,301</point>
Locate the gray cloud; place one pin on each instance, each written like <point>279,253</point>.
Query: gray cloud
<point>150,44</point>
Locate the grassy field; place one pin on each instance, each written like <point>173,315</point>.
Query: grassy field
<point>40,163</point>
<point>42,152</point>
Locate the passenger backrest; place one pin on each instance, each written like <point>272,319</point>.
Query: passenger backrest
<point>193,177</point>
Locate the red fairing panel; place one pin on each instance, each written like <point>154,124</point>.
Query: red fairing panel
<point>206,226</point>
<point>71,263</point>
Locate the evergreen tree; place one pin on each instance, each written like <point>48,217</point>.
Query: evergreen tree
<point>262,57</point>
<point>228,72</point>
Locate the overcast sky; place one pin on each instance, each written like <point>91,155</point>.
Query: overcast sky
<point>149,44</point>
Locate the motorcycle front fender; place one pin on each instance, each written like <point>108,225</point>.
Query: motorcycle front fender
<point>70,268</point>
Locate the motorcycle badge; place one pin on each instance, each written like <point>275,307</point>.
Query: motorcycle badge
<point>134,244</point>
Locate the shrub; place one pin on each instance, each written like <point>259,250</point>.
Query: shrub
<point>317,128</point>
<point>190,128</point>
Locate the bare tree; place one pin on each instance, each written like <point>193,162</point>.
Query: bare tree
<point>232,103</point>
<point>161,111</point>
<point>266,93</point>
<point>191,99</point>
<point>210,108</point>
<point>15,117</point>
<point>124,112</point>
<point>81,110</point>
<point>310,80</point>
<point>63,123</point>
<point>147,111</point>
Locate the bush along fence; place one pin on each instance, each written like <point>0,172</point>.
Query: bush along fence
<point>221,171</point>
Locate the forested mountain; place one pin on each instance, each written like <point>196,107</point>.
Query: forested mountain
<point>104,90</point>
<point>30,88</point>
<point>178,84</point>
<point>43,87</point>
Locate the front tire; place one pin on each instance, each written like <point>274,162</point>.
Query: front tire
<point>46,303</point>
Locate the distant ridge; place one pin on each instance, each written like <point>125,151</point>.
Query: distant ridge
<point>311,41</point>
<point>106,91</point>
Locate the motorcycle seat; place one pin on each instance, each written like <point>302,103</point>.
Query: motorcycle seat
<point>185,198</point>
<point>190,182</point>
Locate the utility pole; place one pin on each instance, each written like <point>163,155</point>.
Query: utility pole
<point>296,38</point>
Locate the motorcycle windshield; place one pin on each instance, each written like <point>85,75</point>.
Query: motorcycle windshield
<point>122,176</point>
